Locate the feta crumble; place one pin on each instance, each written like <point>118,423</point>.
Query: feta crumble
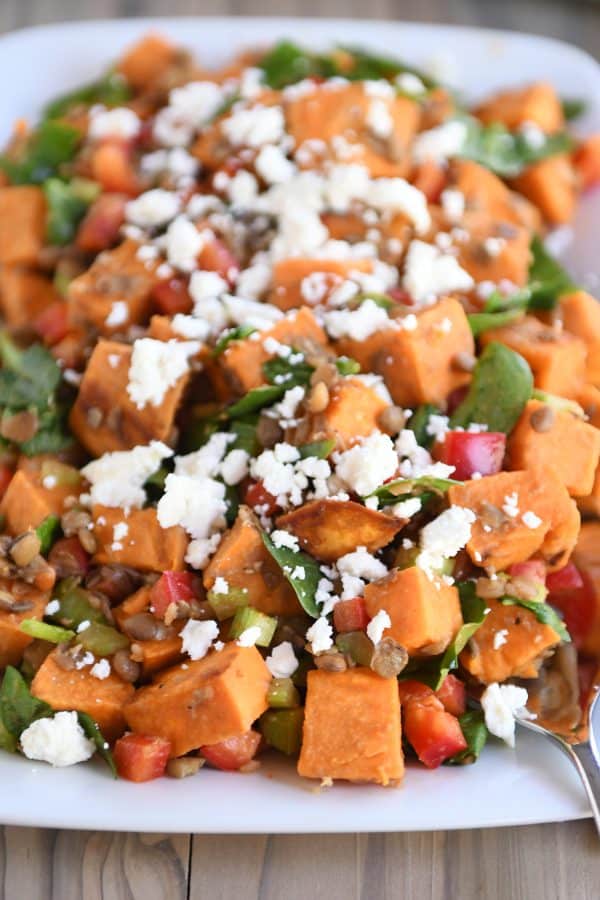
<point>378,625</point>
<point>156,367</point>
<point>319,635</point>
<point>101,669</point>
<point>197,637</point>
<point>530,520</point>
<point>59,740</point>
<point>153,208</point>
<point>428,273</point>
<point>500,702</point>
<point>368,464</point>
<point>117,479</point>
<point>249,636</point>
<point>120,122</point>
<point>282,662</point>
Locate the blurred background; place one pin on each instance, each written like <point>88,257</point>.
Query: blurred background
<point>572,20</point>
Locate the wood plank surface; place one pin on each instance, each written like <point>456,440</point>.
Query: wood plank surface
<point>550,862</point>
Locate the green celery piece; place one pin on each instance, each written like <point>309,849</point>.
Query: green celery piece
<point>484,321</point>
<point>65,211</point>
<point>357,646</point>
<point>75,606</point>
<point>547,278</point>
<point>92,731</point>
<point>18,708</point>
<point>508,153</point>
<point>501,386</point>
<point>51,144</point>
<point>64,475</point>
<point>226,605</point>
<point>111,90</point>
<point>45,632</point>
<point>282,729</point>
<point>473,727</point>
<point>418,423</point>
<point>305,588</point>
<point>320,449</point>
<point>573,107</point>
<point>283,694</point>
<point>47,531</point>
<point>381,300</point>
<point>347,366</point>
<point>102,640</point>
<point>543,612</point>
<point>248,617</point>
<point>256,399</point>
<point>234,334</point>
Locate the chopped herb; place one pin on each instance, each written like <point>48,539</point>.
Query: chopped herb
<point>365,66</point>
<point>66,209</point>
<point>255,400</point>
<point>547,278</point>
<point>245,435</point>
<point>92,731</point>
<point>289,561</point>
<point>282,372</point>
<point>543,612</point>
<point>287,64</point>
<point>233,334</point>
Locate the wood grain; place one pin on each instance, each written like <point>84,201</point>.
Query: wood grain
<point>550,862</point>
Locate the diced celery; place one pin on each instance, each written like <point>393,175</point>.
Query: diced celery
<point>357,645</point>
<point>75,605</point>
<point>45,632</point>
<point>102,640</point>
<point>63,474</point>
<point>247,617</point>
<point>226,605</point>
<point>47,532</point>
<point>282,694</point>
<point>282,729</point>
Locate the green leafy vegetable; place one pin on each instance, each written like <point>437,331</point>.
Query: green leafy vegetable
<point>287,64</point>
<point>294,563</point>
<point>498,302</point>
<point>287,373</point>
<point>233,334</point>
<point>484,321</point>
<point>404,488</point>
<point>47,532</point>
<point>67,204</point>
<point>347,366</point>
<point>245,435</point>
<point>45,632</point>
<point>507,153</point>
<point>92,731</point>
<point>543,612</point>
<point>501,386</point>
<point>111,90</point>
<point>18,709</point>
<point>573,107</point>
<point>320,449</point>
<point>367,66</point>
<point>49,146</point>
<point>472,724</point>
<point>418,423</point>
<point>255,400</point>
<point>547,278</point>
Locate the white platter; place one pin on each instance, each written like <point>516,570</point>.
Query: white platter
<point>533,783</point>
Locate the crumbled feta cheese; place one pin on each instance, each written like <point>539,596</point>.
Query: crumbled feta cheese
<point>410,84</point>
<point>197,504</point>
<point>120,531</point>
<point>444,536</point>
<point>49,482</point>
<point>500,702</point>
<point>273,166</point>
<point>530,520</point>
<point>282,662</point>
<point>234,467</point>
<point>254,281</point>
<point>242,188</point>
<point>286,476</point>
<point>190,327</point>
<point>156,367</point>
<point>83,626</point>
<point>453,204</point>
<point>407,508</point>
<point>51,608</point>
<point>286,409</point>
<point>361,564</point>
<point>200,550</point>
<point>500,638</point>
<point>119,122</point>
<point>59,740</point>
<point>206,285</point>
<point>379,118</point>
<point>440,143</point>
<point>397,195</point>
<point>221,585</point>
<point>183,243</point>
<point>249,636</point>
<point>118,315</point>
<point>533,135</point>
<point>153,208</point>
<point>378,625</point>
<point>197,636</point>
<point>368,464</point>
<point>428,273</point>
<point>358,324</point>
<point>319,635</point>
<point>255,126</point>
<point>118,478</point>
<point>283,538</point>
<point>101,669</point>
<point>437,426</point>
<point>511,505</point>
<point>249,312</point>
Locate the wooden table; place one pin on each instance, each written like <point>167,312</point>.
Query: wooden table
<point>550,862</point>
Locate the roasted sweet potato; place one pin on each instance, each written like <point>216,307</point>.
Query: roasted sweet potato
<point>495,250</point>
<point>155,655</point>
<point>351,727</point>
<point>500,538</point>
<point>537,103</point>
<point>147,60</point>
<point>581,317</point>
<point>32,603</point>
<point>146,545</point>
<point>527,642</point>
<point>208,701</point>
<point>244,562</point>
<point>22,224</point>
<point>24,294</point>
<point>27,502</point>
<point>484,192</point>
<point>329,529</point>
<point>552,186</point>
<point>103,700</point>
<point>425,613</point>
<point>288,290</point>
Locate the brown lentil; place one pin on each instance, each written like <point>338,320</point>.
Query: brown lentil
<point>392,419</point>
<point>25,548</point>
<point>331,661</point>
<point>490,589</point>
<point>389,658</point>
<point>542,419</point>
<point>126,667</point>
<point>145,627</point>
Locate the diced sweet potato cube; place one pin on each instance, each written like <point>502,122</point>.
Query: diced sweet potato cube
<point>498,538</point>
<point>342,117</point>
<point>569,445</point>
<point>24,295</point>
<point>581,317</point>
<point>329,529</point>
<point>590,504</point>
<point>22,224</point>
<point>425,613</point>
<point>527,642</point>
<point>155,655</point>
<point>239,368</point>
<point>551,186</point>
<point>557,359</point>
<point>352,412</point>
<point>13,641</point>
<point>288,276</point>
<point>418,366</point>
<point>104,418</point>
<point>495,250</point>
<point>484,192</point>
<point>588,398</point>
<point>352,727</point>
<point>27,502</point>
<point>103,700</point>
<point>212,699</point>
<point>244,562</point>
<point>147,60</point>
<point>537,103</point>
<point>146,545</point>
<point>114,276</point>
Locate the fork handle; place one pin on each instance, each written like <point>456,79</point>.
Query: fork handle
<point>588,767</point>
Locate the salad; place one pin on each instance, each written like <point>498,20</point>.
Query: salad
<point>299,418</point>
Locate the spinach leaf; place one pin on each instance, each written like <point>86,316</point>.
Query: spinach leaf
<point>484,321</point>
<point>282,372</point>
<point>507,153</point>
<point>92,731</point>
<point>287,63</point>
<point>245,435</point>
<point>111,90</point>
<point>543,612</point>
<point>418,423</point>
<point>404,488</point>
<point>67,204</point>
<point>256,399</point>
<point>501,386</point>
<point>18,708</point>
<point>365,66</point>
<point>547,278</point>
<point>573,107</point>
<point>50,145</point>
<point>472,724</point>
<point>289,561</point>
<point>233,334</point>
<point>498,302</point>
<point>320,449</point>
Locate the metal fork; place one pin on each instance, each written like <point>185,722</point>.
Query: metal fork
<point>585,755</point>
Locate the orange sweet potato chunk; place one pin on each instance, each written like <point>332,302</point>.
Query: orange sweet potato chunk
<point>484,192</point>
<point>495,250</point>
<point>351,727</point>
<point>212,699</point>
<point>147,60</point>
<point>352,412</point>
<point>155,655</point>
<point>13,641</point>
<point>537,103</point>
<point>288,275</point>
<point>418,366</point>
<point>581,317</point>
<point>590,504</point>
<point>104,418</point>
<point>551,186</point>
<point>499,539</point>
<point>103,700</point>
<point>557,359</point>
<point>146,545</point>
<point>527,641</point>
<point>114,276</point>
<point>570,446</point>
<point>22,224</point>
<point>244,562</point>
<point>586,557</point>
<point>24,295</point>
<point>26,502</point>
<point>425,613</point>
<point>328,529</point>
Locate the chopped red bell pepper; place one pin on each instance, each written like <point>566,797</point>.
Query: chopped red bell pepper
<point>171,587</point>
<point>434,734</point>
<point>234,752</point>
<point>139,757</point>
<point>256,495</point>
<point>572,591</point>
<point>99,229</point>
<point>216,256</point>
<point>171,296</point>
<point>52,324</point>
<point>471,452</point>
<point>453,695</point>
<point>6,474</point>
<point>350,615</point>
<point>534,569</point>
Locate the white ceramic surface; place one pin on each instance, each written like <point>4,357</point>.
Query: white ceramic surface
<point>533,783</point>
